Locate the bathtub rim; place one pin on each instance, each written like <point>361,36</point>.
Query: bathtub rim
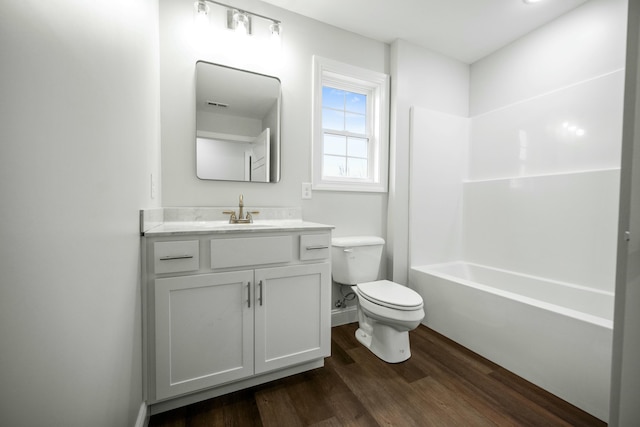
<point>576,314</point>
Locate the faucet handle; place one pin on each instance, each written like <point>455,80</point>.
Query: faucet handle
<point>250,215</point>
<point>232,217</point>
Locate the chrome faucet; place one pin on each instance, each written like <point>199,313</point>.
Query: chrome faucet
<point>233,219</point>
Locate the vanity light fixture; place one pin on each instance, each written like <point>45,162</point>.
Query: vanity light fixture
<point>202,12</point>
<point>202,8</point>
<point>239,20</point>
<point>275,29</point>
<point>531,1</point>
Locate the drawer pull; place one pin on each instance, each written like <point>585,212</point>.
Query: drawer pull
<point>260,297</point>
<point>172,257</point>
<point>249,293</point>
<point>315,248</point>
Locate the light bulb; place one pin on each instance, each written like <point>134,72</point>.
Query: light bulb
<point>201,13</point>
<point>242,22</point>
<point>275,29</point>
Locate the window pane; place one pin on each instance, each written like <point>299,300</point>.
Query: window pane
<point>357,168</point>
<point>335,144</point>
<point>334,166</point>
<point>356,103</point>
<point>332,98</point>
<point>332,119</point>
<point>355,123</point>
<point>358,147</point>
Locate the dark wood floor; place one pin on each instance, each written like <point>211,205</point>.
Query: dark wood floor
<point>443,384</point>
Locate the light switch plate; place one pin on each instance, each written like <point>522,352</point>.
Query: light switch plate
<point>306,190</point>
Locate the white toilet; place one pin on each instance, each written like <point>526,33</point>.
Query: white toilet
<point>387,311</point>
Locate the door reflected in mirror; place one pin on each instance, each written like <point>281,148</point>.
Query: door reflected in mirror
<point>237,124</point>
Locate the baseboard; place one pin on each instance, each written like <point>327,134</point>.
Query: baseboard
<point>143,416</point>
<point>342,316</point>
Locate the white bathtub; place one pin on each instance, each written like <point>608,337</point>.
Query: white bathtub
<point>556,335</point>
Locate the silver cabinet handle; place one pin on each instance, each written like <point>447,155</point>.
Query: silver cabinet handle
<point>260,297</point>
<point>315,248</point>
<point>249,293</point>
<point>172,257</point>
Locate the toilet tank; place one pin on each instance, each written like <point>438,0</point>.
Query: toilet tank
<point>356,259</point>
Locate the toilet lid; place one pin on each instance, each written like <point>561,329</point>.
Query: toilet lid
<point>390,294</point>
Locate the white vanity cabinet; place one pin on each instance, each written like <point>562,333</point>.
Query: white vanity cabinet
<point>231,310</point>
<point>290,323</point>
<point>203,331</point>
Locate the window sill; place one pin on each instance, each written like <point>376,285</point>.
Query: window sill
<point>344,186</point>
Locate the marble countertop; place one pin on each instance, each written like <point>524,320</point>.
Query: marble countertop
<point>212,220</point>
<point>175,228</point>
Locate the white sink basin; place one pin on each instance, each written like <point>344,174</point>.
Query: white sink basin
<point>225,225</point>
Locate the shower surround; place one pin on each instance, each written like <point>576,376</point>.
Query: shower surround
<point>517,205</point>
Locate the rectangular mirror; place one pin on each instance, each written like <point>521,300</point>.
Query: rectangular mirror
<point>237,124</point>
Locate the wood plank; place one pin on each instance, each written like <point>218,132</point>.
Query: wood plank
<point>573,415</point>
<point>310,400</point>
<point>330,422</point>
<point>345,336</point>
<point>445,407</point>
<point>342,403</point>
<point>386,396</point>
<point>442,384</point>
<point>339,354</point>
<point>503,398</point>
<point>466,356</point>
<point>459,387</point>
<point>174,418</point>
<point>276,408</point>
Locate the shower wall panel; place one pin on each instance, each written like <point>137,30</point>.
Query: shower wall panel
<point>575,128</point>
<point>561,227</point>
<point>438,167</point>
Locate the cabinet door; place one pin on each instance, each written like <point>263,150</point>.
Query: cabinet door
<point>293,317</point>
<point>204,331</point>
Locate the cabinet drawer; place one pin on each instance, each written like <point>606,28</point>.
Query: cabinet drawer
<point>314,246</point>
<point>174,257</point>
<point>245,252</point>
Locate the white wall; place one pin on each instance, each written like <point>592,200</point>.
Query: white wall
<point>351,213</point>
<point>625,384</point>
<point>586,42</point>
<point>431,81</point>
<point>79,121</point>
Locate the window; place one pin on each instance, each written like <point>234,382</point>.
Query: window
<point>350,128</point>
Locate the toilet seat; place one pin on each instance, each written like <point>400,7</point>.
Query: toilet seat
<point>390,294</point>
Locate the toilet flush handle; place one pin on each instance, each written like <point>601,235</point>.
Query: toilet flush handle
<point>348,250</point>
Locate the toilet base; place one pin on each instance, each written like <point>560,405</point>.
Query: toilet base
<point>387,343</point>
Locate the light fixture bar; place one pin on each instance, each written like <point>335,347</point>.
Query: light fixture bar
<point>275,21</point>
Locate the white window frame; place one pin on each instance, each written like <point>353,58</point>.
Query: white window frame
<point>327,72</point>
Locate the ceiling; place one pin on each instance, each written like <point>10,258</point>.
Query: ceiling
<point>466,30</point>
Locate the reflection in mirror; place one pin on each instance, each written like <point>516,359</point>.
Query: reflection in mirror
<point>237,124</point>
